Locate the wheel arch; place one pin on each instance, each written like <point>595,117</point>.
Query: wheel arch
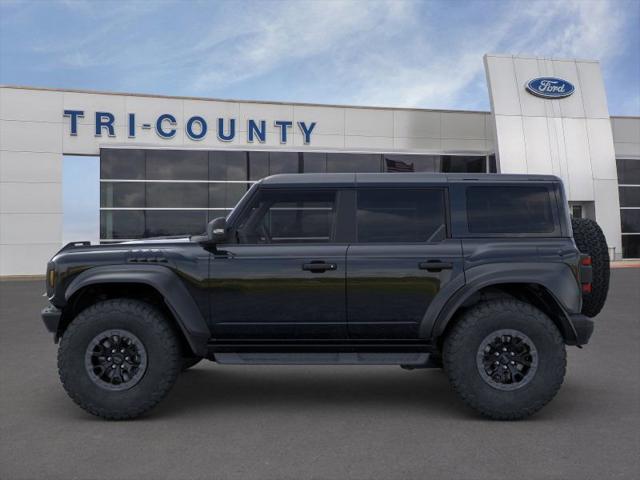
<point>533,293</point>
<point>155,284</point>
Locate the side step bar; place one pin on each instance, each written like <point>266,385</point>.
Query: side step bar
<point>409,360</point>
<point>408,353</point>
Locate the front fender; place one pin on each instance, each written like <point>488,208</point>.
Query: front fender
<point>556,278</point>
<point>163,280</point>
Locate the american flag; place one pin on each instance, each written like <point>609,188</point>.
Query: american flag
<point>398,166</point>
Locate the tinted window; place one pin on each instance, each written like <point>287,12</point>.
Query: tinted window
<point>177,195</point>
<point>283,162</point>
<point>177,165</point>
<point>258,165</point>
<point>631,246</point>
<point>227,165</point>
<point>498,209</point>
<point>130,194</point>
<point>628,171</point>
<point>460,164</point>
<point>394,215</point>
<point>629,196</point>
<point>353,162</point>
<point>121,224</point>
<point>314,162</point>
<point>630,221</point>
<point>122,164</point>
<point>226,195</point>
<point>412,163</point>
<point>289,217</point>
<point>171,222</point>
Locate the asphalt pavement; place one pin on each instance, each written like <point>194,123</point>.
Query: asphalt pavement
<point>322,422</point>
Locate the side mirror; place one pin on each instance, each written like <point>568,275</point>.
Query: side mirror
<point>217,230</point>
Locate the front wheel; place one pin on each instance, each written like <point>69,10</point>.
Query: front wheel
<point>505,358</point>
<point>119,358</point>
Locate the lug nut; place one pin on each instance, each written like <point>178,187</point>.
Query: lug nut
<point>108,359</point>
<point>113,366</point>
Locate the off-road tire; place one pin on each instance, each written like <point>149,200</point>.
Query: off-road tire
<point>188,362</point>
<point>590,240</point>
<point>460,350</point>
<point>163,353</point>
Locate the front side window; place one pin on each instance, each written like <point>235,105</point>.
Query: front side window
<point>509,209</point>
<point>400,215</point>
<point>288,217</point>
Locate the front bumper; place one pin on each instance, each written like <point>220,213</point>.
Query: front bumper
<point>51,317</point>
<point>583,327</point>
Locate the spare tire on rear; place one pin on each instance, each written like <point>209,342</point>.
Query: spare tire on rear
<point>590,240</point>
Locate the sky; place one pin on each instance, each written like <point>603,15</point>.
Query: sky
<point>388,53</point>
<point>378,53</point>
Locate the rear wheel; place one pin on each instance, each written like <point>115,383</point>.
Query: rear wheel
<point>590,240</point>
<point>119,358</point>
<point>505,358</point>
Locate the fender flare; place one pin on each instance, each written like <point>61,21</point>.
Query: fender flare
<point>557,279</point>
<point>164,281</point>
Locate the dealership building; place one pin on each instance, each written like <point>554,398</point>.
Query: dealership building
<point>170,164</point>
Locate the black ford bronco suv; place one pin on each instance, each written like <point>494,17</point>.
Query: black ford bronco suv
<point>482,275</point>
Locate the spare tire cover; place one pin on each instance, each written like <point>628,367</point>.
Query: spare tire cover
<point>590,240</point>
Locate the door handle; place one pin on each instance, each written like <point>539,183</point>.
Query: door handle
<point>318,266</point>
<point>435,266</point>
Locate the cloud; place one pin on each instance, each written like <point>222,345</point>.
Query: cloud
<point>387,52</point>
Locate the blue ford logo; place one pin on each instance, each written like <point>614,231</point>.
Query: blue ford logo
<point>550,87</point>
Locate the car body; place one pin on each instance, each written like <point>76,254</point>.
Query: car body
<point>344,268</point>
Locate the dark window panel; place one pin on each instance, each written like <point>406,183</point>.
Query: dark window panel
<point>258,165</point>
<point>227,165</point>
<point>121,224</point>
<point>290,217</point>
<point>177,195</point>
<point>411,163</point>
<point>226,195</point>
<point>177,165</point>
<point>400,216</point>
<point>495,209</point>
<point>631,246</point>
<point>129,194</point>
<point>124,164</point>
<point>493,165</point>
<point>283,162</point>
<point>353,162</point>
<point>175,222</point>
<point>314,162</point>
<point>629,196</point>
<point>630,221</point>
<point>628,171</point>
<point>463,164</point>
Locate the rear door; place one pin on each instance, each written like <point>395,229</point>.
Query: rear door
<point>401,259</point>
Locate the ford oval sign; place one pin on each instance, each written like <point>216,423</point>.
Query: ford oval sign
<point>550,87</point>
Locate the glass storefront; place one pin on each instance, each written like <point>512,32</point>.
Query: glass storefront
<point>146,193</point>
<point>629,188</point>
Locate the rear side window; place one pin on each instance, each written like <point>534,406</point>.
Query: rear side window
<point>401,216</point>
<point>498,209</point>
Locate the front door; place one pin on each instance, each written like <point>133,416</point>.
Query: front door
<point>284,277</point>
<point>400,262</point>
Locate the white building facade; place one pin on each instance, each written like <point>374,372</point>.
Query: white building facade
<point>169,164</point>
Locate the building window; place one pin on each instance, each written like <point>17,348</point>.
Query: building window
<point>175,192</point>
<point>629,192</point>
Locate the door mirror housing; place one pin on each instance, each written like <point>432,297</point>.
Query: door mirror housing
<point>217,230</point>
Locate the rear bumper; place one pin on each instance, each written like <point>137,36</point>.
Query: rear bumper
<point>51,317</point>
<point>583,327</point>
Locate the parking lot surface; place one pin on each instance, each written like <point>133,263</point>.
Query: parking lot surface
<point>323,422</point>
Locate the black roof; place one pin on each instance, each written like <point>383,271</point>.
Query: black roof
<point>353,179</point>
